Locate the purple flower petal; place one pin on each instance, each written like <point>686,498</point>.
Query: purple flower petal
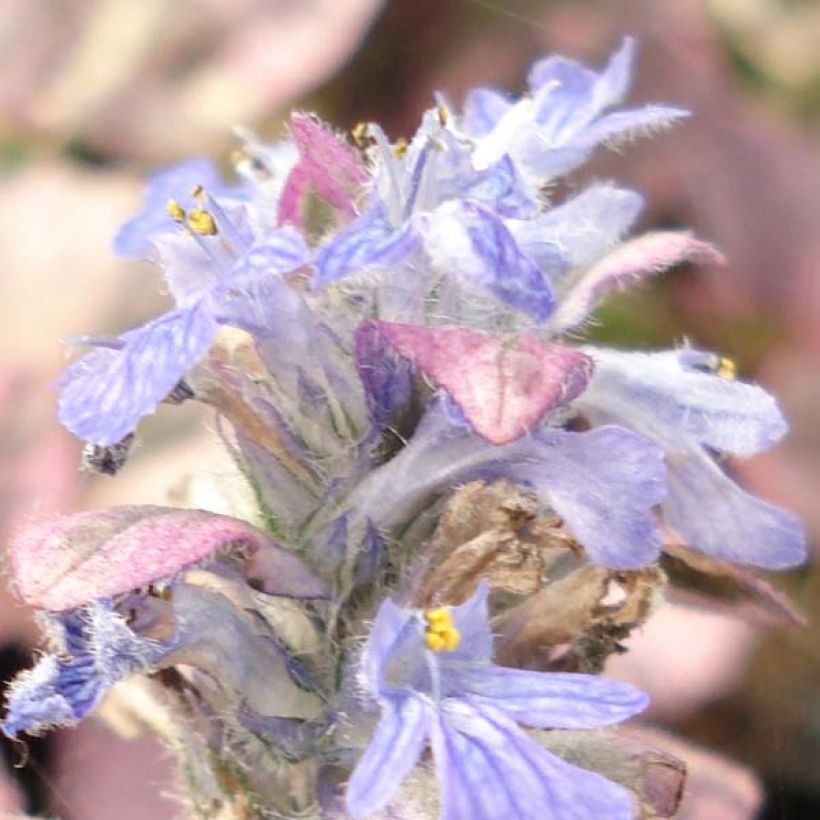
<point>488,768</point>
<point>503,384</point>
<point>673,395</point>
<point>326,165</point>
<point>626,267</point>
<point>67,562</point>
<point>472,242</point>
<point>717,517</point>
<point>371,241</point>
<point>559,701</point>
<point>575,83</point>
<point>107,392</point>
<point>394,750</point>
<point>134,238</point>
<point>604,483</point>
<point>483,108</point>
<point>579,231</point>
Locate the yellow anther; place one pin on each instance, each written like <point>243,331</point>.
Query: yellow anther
<point>400,148</point>
<point>443,115</point>
<point>202,222</point>
<point>434,641</point>
<point>175,210</point>
<point>438,617</point>
<point>726,368</point>
<point>441,635</point>
<point>360,134</point>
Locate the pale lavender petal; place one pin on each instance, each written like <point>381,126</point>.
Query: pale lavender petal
<point>552,700</point>
<point>67,562</point>
<point>394,750</point>
<point>326,164</point>
<point>107,392</point>
<point>717,517</point>
<point>580,230</point>
<point>391,628</point>
<point>626,267</point>
<point>503,384</point>
<point>673,394</point>
<point>254,295</point>
<point>488,768</point>
<point>371,241</point>
<point>472,242</point>
<point>483,108</point>
<point>572,96</point>
<point>472,620</point>
<point>604,483</point>
<point>134,238</point>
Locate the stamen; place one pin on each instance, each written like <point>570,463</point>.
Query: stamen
<point>443,115</point>
<point>441,635</point>
<point>175,211</point>
<point>400,148</point>
<point>726,368</point>
<point>202,222</point>
<point>361,134</point>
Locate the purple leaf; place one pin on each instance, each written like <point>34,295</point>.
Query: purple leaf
<point>503,384</point>
<point>67,562</point>
<point>627,266</point>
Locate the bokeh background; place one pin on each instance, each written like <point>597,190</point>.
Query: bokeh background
<point>95,94</point>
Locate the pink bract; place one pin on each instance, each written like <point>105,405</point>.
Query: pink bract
<point>504,385</point>
<point>66,562</point>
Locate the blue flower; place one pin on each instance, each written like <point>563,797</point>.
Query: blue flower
<point>432,675</point>
<point>136,236</point>
<point>107,392</point>
<point>566,116</point>
<point>96,650</point>
<point>681,400</point>
<point>431,212</point>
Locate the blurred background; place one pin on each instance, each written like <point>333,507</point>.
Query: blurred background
<point>95,94</point>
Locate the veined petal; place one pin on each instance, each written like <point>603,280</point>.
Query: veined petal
<point>488,768</point>
<point>472,242</point>
<point>580,230</point>
<point>368,242</point>
<point>677,393</point>
<point>107,392</point>
<point>552,700</point>
<point>717,517</point>
<point>503,384</point>
<point>626,267</point>
<point>393,752</point>
<point>603,483</point>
